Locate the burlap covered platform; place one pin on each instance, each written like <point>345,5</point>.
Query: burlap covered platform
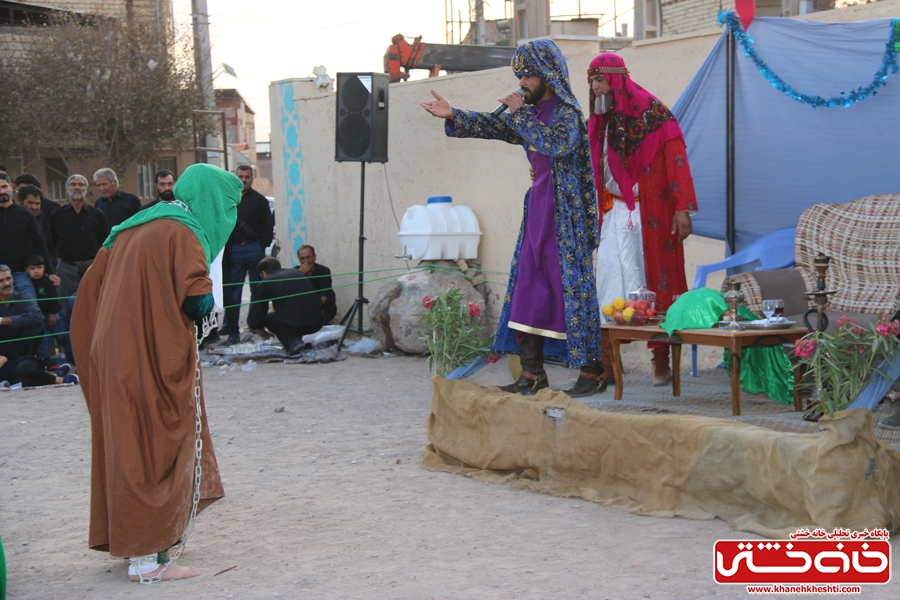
<point>762,481</point>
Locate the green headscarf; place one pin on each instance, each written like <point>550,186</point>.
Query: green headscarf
<point>211,196</point>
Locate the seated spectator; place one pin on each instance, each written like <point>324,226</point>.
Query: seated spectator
<point>47,299</point>
<point>320,276</point>
<point>21,322</point>
<point>30,373</point>
<point>297,309</point>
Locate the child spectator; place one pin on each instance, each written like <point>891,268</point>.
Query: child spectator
<point>47,300</point>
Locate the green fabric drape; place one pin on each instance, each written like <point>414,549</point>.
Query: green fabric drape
<point>211,196</point>
<point>765,370</point>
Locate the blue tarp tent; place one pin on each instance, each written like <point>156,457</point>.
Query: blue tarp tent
<point>789,155</point>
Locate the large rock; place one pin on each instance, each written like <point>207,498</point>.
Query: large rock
<point>393,311</point>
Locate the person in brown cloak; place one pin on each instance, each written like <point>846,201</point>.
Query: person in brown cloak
<point>135,345</point>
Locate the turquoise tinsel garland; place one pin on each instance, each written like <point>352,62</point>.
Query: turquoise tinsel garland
<point>888,67</point>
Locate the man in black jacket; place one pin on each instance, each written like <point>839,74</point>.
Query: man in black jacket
<point>247,245</point>
<point>48,206</point>
<point>117,205</point>
<point>320,276</point>
<point>19,238</point>
<point>297,307</point>
<point>78,230</point>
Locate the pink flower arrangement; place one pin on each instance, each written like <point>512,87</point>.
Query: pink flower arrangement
<point>804,347</point>
<point>452,331</point>
<point>843,361</point>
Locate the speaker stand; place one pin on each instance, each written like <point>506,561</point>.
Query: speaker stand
<point>356,309</point>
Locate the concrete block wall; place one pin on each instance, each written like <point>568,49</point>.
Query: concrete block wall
<point>14,42</point>
<point>113,8</point>
<point>685,16</point>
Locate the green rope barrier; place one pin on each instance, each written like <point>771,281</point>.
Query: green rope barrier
<point>318,291</point>
<point>354,273</point>
<point>33,337</point>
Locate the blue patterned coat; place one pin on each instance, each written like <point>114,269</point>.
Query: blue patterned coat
<point>565,141</point>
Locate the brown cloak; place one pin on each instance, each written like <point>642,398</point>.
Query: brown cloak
<point>136,355</point>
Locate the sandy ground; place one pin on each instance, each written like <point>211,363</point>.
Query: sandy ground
<point>327,500</point>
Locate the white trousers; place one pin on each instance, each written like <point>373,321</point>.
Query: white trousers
<point>620,255</point>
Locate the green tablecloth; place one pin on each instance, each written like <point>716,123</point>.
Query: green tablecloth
<point>765,370</point>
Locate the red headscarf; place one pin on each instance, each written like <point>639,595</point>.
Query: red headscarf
<point>639,124</point>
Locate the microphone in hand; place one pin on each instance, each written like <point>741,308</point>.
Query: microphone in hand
<point>497,111</point>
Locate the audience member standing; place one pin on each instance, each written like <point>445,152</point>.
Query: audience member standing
<point>320,276</point>
<point>246,247</point>
<point>115,204</point>
<point>78,230</point>
<point>18,235</point>
<point>164,183</point>
<point>30,198</point>
<point>48,206</point>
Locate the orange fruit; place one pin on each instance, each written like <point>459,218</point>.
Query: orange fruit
<point>627,314</point>
<point>619,303</point>
<point>608,310</point>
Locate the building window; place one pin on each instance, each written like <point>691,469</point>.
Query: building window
<point>166,164</point>
<point>145,173</point>
<point>57,172</point>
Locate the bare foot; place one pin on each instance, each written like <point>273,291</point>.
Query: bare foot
<point>173,572</point>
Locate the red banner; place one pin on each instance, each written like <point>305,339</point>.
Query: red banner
<point>803,561</point>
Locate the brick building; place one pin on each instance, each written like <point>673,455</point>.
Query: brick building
<point>15,40</point>
<point>687,16</point>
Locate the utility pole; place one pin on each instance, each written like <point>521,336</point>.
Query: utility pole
<point>202,56</point>
<point>479,23</point>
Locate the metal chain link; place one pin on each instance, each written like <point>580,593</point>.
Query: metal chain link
<point>209,323</point>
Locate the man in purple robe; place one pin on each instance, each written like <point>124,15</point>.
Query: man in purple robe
<point>550,308</point>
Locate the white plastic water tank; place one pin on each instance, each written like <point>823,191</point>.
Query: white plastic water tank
<point>439,231</point>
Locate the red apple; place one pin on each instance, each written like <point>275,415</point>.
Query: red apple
<point>630,304</point>
<point>619,317</point>
<point>642,305</point>
<point>639,317</point>
<point>651,312</point>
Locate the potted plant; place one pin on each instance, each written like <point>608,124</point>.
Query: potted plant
<point>457,347</point>
<point>842,361</point>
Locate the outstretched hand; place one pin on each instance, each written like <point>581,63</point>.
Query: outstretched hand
<point>681,223</point>
<point>439,107</point>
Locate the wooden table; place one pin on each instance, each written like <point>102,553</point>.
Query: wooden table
<point>735,341</point>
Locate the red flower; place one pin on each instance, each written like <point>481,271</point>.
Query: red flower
<point>428,301</point>
<point>804,348</point>
<point>473,309</point>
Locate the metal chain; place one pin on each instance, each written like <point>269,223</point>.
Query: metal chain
<point>209,323</point>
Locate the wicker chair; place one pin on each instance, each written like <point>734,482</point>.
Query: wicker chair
<point>863,240</point>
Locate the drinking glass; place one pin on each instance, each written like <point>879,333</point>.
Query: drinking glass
<point>779,308</point>
<point>773,308</point>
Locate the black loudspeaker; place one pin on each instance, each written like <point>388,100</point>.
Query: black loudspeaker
<point>361,126</point>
